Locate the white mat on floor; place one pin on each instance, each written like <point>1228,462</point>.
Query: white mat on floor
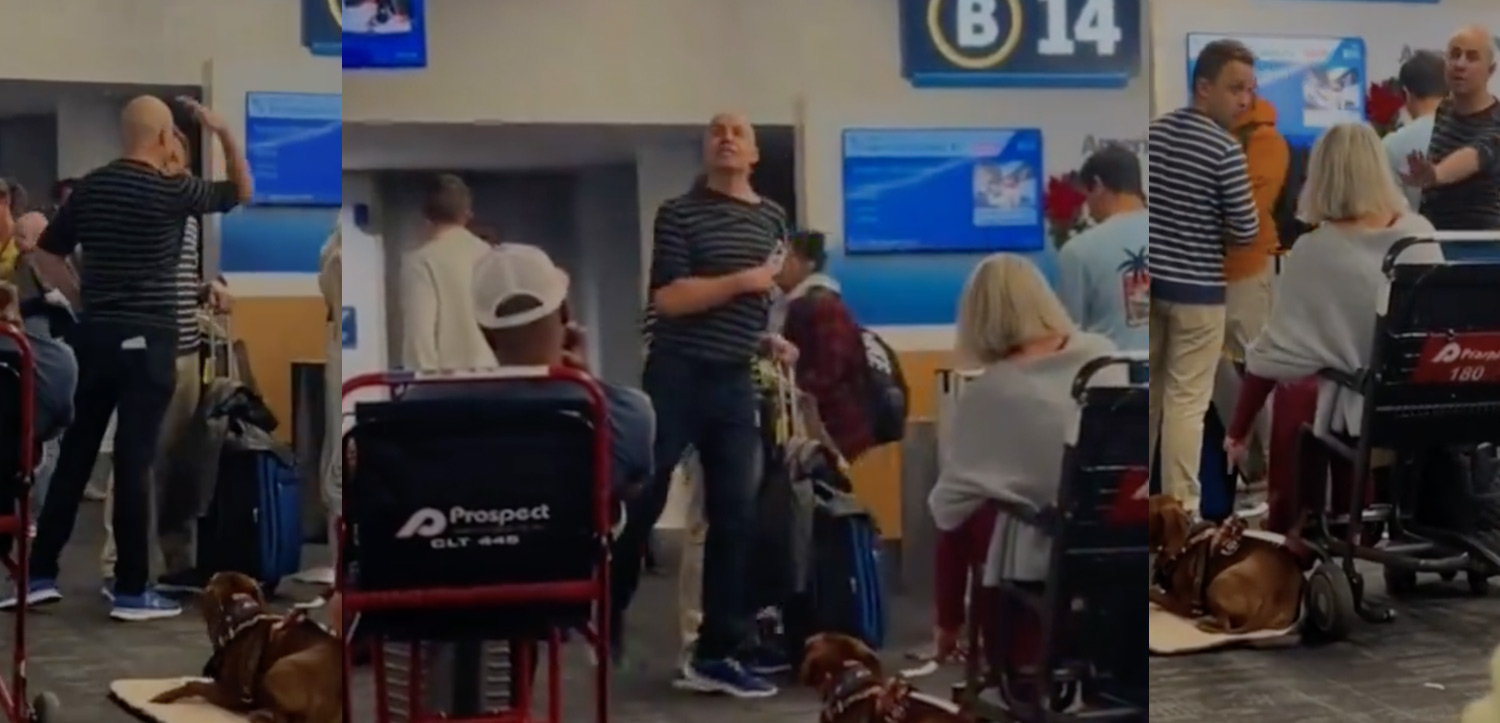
<point>1172,635</point>
<point>135,697</point>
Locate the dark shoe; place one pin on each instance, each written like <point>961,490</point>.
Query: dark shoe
<point>187,582</point>
<point>766,661</point>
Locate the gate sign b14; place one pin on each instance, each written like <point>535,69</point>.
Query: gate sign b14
<point>1020,43</point>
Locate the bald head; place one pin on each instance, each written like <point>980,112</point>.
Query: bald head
<point>729,145</point>
<point>1471,63</point>
<point>147,130</point>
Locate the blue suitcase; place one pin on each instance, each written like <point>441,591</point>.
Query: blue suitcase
<point>1217,481</point>
<point>254,524</point>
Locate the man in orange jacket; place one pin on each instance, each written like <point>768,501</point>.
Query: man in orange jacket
<point>1248,270</point>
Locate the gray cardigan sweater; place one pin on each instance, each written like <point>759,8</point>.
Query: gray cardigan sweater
<point>1006,443</point>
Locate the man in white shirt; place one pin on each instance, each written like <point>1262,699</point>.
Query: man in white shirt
<point>439,329</point>
<point>1422,81</point>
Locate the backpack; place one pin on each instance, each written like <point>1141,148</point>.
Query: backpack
<point>889,395</point>
<point>1289,227</point>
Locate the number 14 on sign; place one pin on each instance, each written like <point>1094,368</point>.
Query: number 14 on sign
<point>1062,31</point>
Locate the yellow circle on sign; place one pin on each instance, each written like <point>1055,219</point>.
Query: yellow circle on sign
<point>337,12</point>
<point>957,57</point>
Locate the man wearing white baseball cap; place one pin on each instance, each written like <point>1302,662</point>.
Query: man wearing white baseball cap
<point>521,304</point>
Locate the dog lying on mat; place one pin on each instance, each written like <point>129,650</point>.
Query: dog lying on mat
<point>1236,584</point>
<point>274,668</point>
<point>851,680</point>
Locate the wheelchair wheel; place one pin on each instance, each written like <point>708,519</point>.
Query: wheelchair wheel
<point>1399,582</point>
<point>1330,602</point>
<point>1479,583</point>
<point>46,709</point>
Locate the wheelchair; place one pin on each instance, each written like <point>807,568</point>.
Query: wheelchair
<point>1088,666</point>
<point>18,460</point>
<point>1434,384</point>
<point>473,519</point>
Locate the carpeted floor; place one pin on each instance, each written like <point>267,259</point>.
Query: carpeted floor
<point>1424,667</point>
<point>76,651</point>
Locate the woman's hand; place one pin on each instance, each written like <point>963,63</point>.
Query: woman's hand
<point>1237,451</point>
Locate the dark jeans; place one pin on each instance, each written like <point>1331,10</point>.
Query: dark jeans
<point>132,369</point>
<point>712,408</point>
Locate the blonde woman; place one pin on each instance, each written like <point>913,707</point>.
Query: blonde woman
<point>1010,425</point>
<point>1323,316</point>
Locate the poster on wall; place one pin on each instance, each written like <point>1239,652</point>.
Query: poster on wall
<point>384,34</point>
<point>295,145</point>
<point>1314,82</point>
<point>942,191</point>
<point>1021,43</point>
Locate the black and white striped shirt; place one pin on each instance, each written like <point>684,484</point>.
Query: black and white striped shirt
<point>1200,200</point>
<point>130,218</point>
<point>706,234</point>
<point>189,282</point>
<point>1472,204</point>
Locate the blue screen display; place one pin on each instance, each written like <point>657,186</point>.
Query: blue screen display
<point>384,34</point>
<point>1314,82</point>
<point>294,142</point>
<point>954,191</point>
<point>1021,43</point>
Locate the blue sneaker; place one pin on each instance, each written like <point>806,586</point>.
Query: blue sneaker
<point>140,608</point>
<point>41,591</point>
<point>726,677</point>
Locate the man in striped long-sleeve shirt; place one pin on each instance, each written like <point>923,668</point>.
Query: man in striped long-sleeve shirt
<point>174,533</point>
<point>1460,173</point>
<point>1201,202</point>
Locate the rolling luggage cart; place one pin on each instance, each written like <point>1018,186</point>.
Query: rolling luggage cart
<point>18,460</point>
<point>1434,382</point>
<point>479,516</point>
<point>1084,665</point>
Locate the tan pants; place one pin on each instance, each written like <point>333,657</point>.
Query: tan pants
<point>176,547</point>
<point>1247,308</point>
<point>1187,342</point>
<point>690,567</point>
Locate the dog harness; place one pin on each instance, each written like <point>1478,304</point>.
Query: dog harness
<point>1205,542</point>
<point>857,684</point>
<point>242,615</point>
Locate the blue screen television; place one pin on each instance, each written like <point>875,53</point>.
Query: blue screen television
<point>943,190</point>
<point>295,145</point>
<point>384,34</point>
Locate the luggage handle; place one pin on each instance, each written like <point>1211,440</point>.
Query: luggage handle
<point>791,425</point>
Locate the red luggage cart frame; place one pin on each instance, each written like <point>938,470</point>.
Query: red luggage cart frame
<point>13,704</point>
<point>593,590</point>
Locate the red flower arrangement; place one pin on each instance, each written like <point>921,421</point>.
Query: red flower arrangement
<point>1383,106</point>
<point>1065,205</point>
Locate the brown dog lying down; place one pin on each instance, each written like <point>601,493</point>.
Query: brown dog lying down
<point>855,689</point>
<point>1236,584</point>
<point>276,669</point>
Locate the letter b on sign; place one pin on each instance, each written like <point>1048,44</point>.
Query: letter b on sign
<point>977,27</point>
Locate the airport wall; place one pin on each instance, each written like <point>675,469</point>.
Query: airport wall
<point>1389,30</point>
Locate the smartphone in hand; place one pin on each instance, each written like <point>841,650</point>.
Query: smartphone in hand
<point>778,256</point>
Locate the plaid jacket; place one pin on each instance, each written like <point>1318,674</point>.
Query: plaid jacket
<point>832,368</point>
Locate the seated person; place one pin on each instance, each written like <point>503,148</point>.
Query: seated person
<point>27,305</point>
<point>1324,313</point>
<point>520,299</point>
<point>1013,329</point>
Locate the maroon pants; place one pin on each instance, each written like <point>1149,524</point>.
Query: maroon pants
<point>960,553</point>
<point>1304,475</point>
